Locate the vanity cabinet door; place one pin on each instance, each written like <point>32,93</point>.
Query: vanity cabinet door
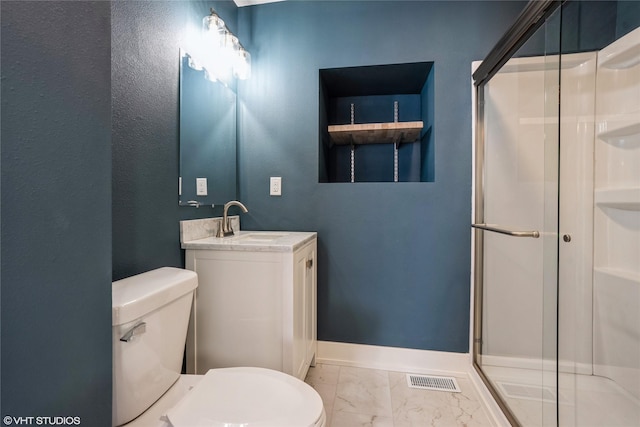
<point>304,309</point>
<point>238,311</point>
<point>253,308</point>
<point>310,303</point>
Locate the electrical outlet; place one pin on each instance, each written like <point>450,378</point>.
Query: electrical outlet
<point>275,186</point>
<point>201,186</point>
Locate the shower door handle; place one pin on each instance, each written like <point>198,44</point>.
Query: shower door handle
<point>490,227</point>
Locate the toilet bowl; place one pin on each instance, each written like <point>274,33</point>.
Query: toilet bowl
<point>150,320</point>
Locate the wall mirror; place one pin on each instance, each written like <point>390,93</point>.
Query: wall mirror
<point>207,137</point>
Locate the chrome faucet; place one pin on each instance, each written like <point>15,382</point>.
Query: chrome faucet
<point>225,228</point>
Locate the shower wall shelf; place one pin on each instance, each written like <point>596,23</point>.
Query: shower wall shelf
<point>616,231</point>
<point>625,55</point>
<point>620,131</point>
<point>619,198</point>
<point>618,274</point>
<point>376,133</point>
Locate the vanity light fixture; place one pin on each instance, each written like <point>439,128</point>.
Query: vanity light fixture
<point>222,53</point>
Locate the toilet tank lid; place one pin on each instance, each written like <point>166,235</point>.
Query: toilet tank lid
<point>143,293</point>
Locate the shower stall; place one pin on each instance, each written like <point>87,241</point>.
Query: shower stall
<point>556,334</point>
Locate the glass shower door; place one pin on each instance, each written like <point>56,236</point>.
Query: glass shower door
<point>516,267</point>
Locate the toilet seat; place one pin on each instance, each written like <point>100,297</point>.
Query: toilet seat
<point>248,397</point>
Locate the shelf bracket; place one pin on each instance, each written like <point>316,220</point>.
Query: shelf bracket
<point>395,162</point>
<point>353,161</point>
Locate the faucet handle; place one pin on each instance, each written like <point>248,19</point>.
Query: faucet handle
<point>225,230</point>
<point>228,230</point>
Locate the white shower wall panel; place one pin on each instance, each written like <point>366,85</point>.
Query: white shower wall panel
<point>617,335</point>
<point>617,214</point>
<point>514,188</point>
<point>617,247</point>
<point>514,268</point>
<point>575,290</point>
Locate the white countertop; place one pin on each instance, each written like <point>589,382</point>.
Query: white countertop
<point>256,241</point>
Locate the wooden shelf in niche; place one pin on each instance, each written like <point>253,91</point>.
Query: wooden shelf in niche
<point>376,123</point>
<point>376,133</point>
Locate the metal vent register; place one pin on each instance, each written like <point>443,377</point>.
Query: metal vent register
<point>430,382</point>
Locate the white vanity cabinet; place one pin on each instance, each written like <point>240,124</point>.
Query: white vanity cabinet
<point>255,303</point>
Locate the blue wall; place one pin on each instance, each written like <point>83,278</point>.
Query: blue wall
<point>146,39</point>
<point>84,184</point>
<point>394,259</point>
<point>56,210</point>
<point>394,262</point>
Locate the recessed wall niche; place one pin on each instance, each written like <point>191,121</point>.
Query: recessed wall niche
<point>376,123</point>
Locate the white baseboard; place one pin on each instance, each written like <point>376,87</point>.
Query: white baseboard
<point>394,359</point>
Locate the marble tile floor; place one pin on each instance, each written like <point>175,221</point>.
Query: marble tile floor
<point>355,397</point>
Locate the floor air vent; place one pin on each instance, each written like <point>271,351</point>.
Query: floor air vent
<point>430,382</point>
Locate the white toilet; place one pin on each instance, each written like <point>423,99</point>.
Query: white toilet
<point>150,319</point>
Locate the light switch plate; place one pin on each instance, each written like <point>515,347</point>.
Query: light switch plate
<point>275,186</point>
<point>201,186</point>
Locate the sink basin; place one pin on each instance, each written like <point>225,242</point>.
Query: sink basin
<point>260,237</point>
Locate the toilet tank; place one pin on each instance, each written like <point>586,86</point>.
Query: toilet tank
<point>150,316</point>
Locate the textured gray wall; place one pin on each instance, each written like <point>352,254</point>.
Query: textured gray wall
<point>56,210</point>
<point>56,162</point>
<point>146,38</point>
